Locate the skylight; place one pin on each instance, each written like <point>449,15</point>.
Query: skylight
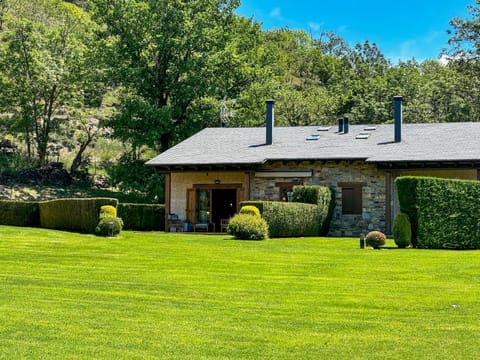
<point>362,136</point>
<point>313,137</point>
<point>370,128</point>
<point>324,128</point>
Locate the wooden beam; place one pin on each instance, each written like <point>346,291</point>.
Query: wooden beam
<point>168,196</point>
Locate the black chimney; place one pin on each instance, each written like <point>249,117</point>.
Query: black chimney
<point>340,125</point>
<point>345,125</point>
<point>398,118</point>
<point>270,121</point>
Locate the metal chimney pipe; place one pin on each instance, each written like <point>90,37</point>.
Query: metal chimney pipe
<point>270,121</point>
<point>340,125</point>
<point>345,125</point>
<point>398,118</point>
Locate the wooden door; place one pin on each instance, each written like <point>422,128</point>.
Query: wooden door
<point>191,205</point>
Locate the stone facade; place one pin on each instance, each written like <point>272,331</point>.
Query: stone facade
<point>331,173</point>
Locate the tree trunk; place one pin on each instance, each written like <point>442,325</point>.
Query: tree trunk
<point>78,158</point>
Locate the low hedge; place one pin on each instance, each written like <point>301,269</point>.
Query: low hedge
<point>19,213</point>
<point>142,216</point>
<point>289,219</point>
<point>322,196</point>
<point>444,213</point>
<point>80,215</point>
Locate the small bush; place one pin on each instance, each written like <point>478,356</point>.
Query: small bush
<point>250,210</point>
<point>375,239</point>
<point>248,227</point>
<point>104,226</point>
<point>108,211</point>
<point>402,230</point>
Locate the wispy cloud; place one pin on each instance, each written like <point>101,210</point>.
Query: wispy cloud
<point>276,14</point>
<point>414,48</point>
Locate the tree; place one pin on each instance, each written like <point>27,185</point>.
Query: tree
<point>43,61</point>
<point>160,51</point>
<point>465,36</point>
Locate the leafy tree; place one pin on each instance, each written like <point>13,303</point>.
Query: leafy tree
<point>465,39</point>
<point>43,61</point>
<point>161,51</point>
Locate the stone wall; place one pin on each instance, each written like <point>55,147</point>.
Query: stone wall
<point>332,174</point>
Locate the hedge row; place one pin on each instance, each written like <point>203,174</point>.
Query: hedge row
<point>142,216</point>
<point>322,196</point>
<point>290,219</point>
<point>79,215</point>
<point>444,213</point>
<point>19,213</point>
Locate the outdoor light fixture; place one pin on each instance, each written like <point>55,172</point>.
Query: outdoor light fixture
<point>217,182</point>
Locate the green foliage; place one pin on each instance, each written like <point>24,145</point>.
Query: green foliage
<point>19,213</point>
<point>133,177</point>
<point>402,230</point>
<point>443,212</point>
<point>248,227</point>
<point>323,196</point>
<point>79,215</point>
<point>290,219</point>
<point>251,210</point>
<point>108,211</point>
<point>142,217</point>
<point>109,226</point>
<point>375,239</point>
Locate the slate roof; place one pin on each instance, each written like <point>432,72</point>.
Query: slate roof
<point>441,142</point>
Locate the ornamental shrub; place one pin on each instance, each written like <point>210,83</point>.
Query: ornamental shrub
<point>108,211</point>
<point>286,219</point>
<point>322,196</point>
<point>402,230</point>
<point>104,226</point>
<point>251,210</point>
<point>375,239</point>
<point>248,227</point>
<point>443,213</point>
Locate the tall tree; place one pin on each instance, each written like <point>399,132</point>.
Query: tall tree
<point>160,51</point>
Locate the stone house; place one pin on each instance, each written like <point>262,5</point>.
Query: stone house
<point>210,173</point>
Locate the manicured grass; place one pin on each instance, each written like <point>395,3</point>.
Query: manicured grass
<point>176,296</point>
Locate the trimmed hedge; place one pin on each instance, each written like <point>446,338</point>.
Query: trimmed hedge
<point>444,213</point>
<point>19,213</point>
<point>103,227</point>
<point>142,216</point>
<point>323,196</point>
<point>250,210</point>
<point>80,215</point>
<point>290,219</point>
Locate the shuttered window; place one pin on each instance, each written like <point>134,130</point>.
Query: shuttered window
<point>352,198</point>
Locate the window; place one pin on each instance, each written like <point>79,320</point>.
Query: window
<point>352,198</point>
<point>286,190</point>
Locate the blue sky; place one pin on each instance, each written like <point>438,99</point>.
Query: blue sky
<point>401,29</point>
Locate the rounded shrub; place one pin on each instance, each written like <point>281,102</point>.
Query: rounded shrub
<point>104,226</point>
<point>250,210</point>
<point>375,239</point>
<point>108,211</point>
<point>402,230</point>
<point>248,227</point>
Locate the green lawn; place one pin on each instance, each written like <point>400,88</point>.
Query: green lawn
<point>175,296</point>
